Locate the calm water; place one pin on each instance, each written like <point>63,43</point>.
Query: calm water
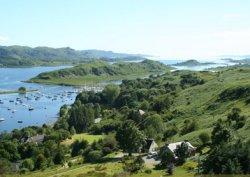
<point>217,63</point>
<point>14,108</point>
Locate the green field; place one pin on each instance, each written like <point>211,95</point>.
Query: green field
<point>83,136</point>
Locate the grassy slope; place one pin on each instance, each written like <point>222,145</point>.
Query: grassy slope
<point>194,101</point>
<point>111,168</point>
<point>99,71</point>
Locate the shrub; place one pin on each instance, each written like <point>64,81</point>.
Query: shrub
<point>189,126</point>
<point>204,138</point>
<point>28,164</point>
<point>235,93</point>
<point>78,147</point>
<point>190,80</point>
<point>190,165</point>
<point>24,170</point>
<point>148,171</point>
<point>109,144</point>
<point>170,131</point>
<point>134,164</point>
<point>94,156</point>
<point>70,164</point>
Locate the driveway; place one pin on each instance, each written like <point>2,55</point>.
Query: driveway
<point>150,162</point>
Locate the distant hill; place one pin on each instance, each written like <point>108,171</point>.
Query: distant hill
<point>192,63</point>
<point>240,61</point>
<point>12,56</point>
<point>100,71</point>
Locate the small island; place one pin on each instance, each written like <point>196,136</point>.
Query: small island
<point>21,90</point>
<point>191,63</point>
<point>100,71</point>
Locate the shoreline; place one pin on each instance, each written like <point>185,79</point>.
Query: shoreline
<point>16,91</point>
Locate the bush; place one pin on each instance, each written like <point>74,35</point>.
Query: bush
<point>94,156</point>
<point>189,126</point>
<point>109,144</point>
<point>204,138</point>
<point>134,164</point>
<point>70,164</point>
<point>24,170</point>
<point>28,164</point>
<point>148,171</point>
<point>190,165</point>
<point>170,131</point>
<point>78,147</point>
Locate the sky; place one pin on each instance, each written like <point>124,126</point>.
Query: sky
<point>164,28</point>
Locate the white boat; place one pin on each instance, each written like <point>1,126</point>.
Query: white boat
<point>2,119</point>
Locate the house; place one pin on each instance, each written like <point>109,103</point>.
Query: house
<point>172,146</point>
<point>151,146</point>
<point>35,139</point>
<point>97,120</point>
<point>141,112</point>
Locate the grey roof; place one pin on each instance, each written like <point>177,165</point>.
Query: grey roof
<point>36,139</point>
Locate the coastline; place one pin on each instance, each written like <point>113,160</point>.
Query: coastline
<point>16,91</point>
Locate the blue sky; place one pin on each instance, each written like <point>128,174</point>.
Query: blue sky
<point>166,28</point>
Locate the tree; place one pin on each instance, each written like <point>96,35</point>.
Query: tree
<point>109,144</point>
<point>130,138</point>
<point>81,116</point>
<point>59,158</point>
<point>145,105</point>
<point>166,155</point>
<point>235,116</point>
<point>228,158</point>
<point>77,146</point>
<point>162,103</point>
<point>221,133</point>
<point>154,126</point>
<point>181,153</point>
<point>72,130</point>
<point>167,158</point>
<point>111,92</point>
<point>40,162</point>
